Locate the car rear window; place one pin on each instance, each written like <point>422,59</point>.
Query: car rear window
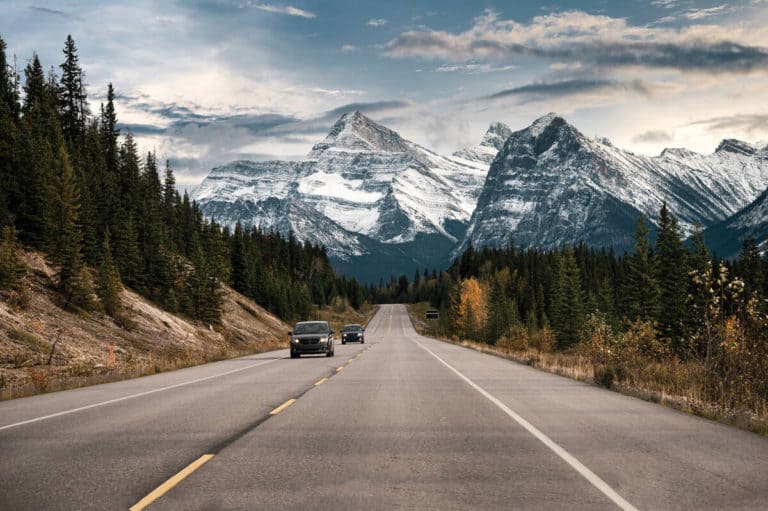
<point>351,328</point>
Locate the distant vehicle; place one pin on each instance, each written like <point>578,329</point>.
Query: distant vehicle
<point>311,337</point>
<point>433,314</point>
<point>352,333</point>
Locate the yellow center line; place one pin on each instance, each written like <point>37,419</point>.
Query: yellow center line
<point>350,360</point>
<point>339,368</point>
<point>282,407</point>
<point>170,483</point>
<point>321,381</point>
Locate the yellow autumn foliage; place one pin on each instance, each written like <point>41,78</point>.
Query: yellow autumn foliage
<point>470,308</point>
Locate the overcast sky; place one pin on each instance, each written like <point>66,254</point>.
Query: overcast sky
<point>209,81</point>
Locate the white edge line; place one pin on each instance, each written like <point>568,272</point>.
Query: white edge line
<point>562,453</point>
<point>117,400</point>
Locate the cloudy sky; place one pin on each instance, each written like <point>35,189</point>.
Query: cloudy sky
<point>204,82</point>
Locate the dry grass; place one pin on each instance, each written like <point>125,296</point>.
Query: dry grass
<point>156,340</point>
<point>340,313</point>
<point>670,382</point>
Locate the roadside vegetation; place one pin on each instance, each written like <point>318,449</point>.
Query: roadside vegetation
<point>100,251</point>
<point>667,323</point>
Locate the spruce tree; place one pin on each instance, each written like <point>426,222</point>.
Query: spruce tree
<point>10,187</point>
<point>639,288</point>
<point>11,266</point>
<point>73,97</point>
<point>64,236</point>
<point>672,276</point>
<point>567,310</point>
<point>110,132</point>
<point>749,267</point>
<point>109,287</point>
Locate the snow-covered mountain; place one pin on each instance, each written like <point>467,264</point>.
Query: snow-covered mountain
<point>725,238</point>
<point>362,191</point>
<point>383,205</point>
<point>551,185</point>
<point>489,147</point>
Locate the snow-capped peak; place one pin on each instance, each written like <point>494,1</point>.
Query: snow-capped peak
<point>486,150</point>
<point>539,125</point>
<point>733,145</point>
<point>497,134</point>
<point>355,132</point>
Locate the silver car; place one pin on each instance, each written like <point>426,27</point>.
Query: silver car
<point>311,337</point>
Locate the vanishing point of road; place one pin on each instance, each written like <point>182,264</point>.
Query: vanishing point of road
<point>402,421</point>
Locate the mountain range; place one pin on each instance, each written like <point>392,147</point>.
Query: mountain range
<point>384,205</point>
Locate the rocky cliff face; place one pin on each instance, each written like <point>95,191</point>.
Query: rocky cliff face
<point>383,205</point>
<point>550,185</point>
<point>361,188</point>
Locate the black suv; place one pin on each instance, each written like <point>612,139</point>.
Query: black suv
<point>352,333</point>
<point>311,337</point>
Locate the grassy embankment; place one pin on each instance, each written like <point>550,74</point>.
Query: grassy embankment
<point>679,385</point>
<point>45,347</point>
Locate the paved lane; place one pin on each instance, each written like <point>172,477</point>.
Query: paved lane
<point>400,422</point>
<point>133,435</point>
<point>420,424</point>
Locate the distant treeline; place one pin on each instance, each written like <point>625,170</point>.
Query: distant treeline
<point>74,188</point>
<point>666,282</point>
<point>666,316</point>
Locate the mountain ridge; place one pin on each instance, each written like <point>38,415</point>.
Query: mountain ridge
<point>368,194</point>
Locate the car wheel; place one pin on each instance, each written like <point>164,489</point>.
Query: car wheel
<point>329,353</point>
<point>294,355</point>
<point>343,342</point>
<point>362,341</point>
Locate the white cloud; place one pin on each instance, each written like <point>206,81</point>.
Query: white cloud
<point>285,9</point>
<point>377,22</point>
<point>349,48</point>
<point>597,39</point>
<point>696,14</point>
<point>473,68</point>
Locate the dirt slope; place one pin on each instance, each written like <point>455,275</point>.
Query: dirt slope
<point>93,348</point>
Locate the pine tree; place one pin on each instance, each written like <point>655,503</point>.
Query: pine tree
<point>10,190</point>
<point>34,86</point>
<point>672,276</point>
<point>109,287</point>
<point>699,285</point>
<point>110,132</point>
<point>566,310</point>
<point>750,268</point>
<point>64,236</point>
<point>73,97</point>
<point>639,288</point>
<point>11,267</point>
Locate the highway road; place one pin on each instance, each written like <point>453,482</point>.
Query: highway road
<point>401,422</point>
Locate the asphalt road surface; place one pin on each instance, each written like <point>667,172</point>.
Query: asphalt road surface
<point>401,422</point>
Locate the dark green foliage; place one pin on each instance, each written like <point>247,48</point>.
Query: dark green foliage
<point>750,267</point>
<point>63,234</point>
<point>73,106</point>
<point>640,287</point>
<point>566,309</point>
<point>11,267</point>
<point>672,276</point>
<point>108,285</point>
<point>71,188</point>
<point>671,287</point>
